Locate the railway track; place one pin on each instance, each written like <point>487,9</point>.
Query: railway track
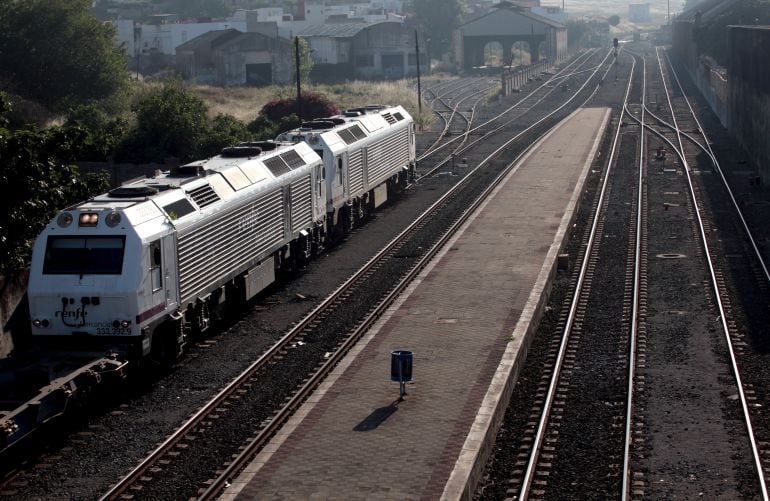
<point>630,377</point>
<point>437,158</point>
<point>180,460</point>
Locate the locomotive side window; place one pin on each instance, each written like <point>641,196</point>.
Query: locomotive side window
<point>339,172</point>
<point>155,268</point>
<point>84,256</point>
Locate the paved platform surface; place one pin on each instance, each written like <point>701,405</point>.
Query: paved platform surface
<point>467,319</point>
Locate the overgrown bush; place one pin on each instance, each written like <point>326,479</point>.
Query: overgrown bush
<point>313,106</point>
<point>171,121</point>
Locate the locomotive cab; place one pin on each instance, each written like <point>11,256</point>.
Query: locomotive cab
<point>94,275</point>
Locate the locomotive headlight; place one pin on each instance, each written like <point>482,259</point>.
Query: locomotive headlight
<point>41,323</point>
<point>64,219</point>
<point>125,324</point>
<point>89,219</point>
<point>37,323</point>
<point>112,219</point>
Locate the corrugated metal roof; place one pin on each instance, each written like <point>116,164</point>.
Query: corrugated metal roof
<point>339,30</point>
<point>518,10</point>
<point>210,37</point>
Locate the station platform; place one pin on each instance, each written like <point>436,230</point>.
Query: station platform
<point>467,319</point>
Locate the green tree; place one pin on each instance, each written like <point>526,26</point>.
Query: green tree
<point>226,130</point>
<point>103,132</point>
<point>170,121</point>
<point>614,20</point>
<point>306,62</point>
<point>36,180</point>
<point>57,53</point>
<point>262,128</point>
<point>439,18</point>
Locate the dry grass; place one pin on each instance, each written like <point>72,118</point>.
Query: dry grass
<point>244,103</point>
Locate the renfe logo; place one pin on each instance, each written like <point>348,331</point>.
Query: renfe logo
<point>72,318</point>
<point>74,314</point>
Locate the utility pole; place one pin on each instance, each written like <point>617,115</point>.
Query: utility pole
<point>419,86</point>
<point>299,88</point>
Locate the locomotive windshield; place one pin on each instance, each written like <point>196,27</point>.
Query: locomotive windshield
<point>84,256</point>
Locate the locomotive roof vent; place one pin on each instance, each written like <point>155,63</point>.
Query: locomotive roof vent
<point>317,125</point>
<point>190,170</point>
<point>132,192</point>
<point>262,145</point>
<point>241,151</point>
<point>375,107</point>
<point>353,113</point>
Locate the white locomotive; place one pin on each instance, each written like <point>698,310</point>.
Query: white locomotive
<point>142,267</point>
<point>366,152</point>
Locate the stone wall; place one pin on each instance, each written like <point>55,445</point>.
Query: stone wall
<point>13,310</point>
<point>739,94</point>
<point>748,100</point>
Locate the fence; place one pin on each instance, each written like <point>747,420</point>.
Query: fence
<point>513,80</point>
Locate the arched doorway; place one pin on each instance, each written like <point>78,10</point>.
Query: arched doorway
<point>520,54</point>
<point>493,54</point>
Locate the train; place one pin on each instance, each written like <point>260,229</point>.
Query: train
<point>143,268</point>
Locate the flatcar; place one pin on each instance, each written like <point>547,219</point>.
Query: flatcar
<point>140,269</point>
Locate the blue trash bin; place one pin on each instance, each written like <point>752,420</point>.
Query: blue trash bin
<point>401,366</point>
<point>401,369</point>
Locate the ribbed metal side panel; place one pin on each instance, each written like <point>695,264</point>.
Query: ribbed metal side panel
<point>386,157</point>
<point>356,172</point>
<point>209,252</point>
<point>301,204</point>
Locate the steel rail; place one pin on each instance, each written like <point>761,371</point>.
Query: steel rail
<point>635,303</point>
<point>540,433</point>
<point>721,174</point>
<point>486,134</point>
<point>717,296</point>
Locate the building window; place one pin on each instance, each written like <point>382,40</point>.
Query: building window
<point>365,60</point>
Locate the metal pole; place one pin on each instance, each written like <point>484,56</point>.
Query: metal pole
<point>299,88</point>
<point>419,85</point>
